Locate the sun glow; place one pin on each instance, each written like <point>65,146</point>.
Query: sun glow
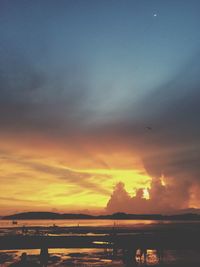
<point>146,193</point>
<point>133,179</point>
<point>162,180</point>
<point>38,181</point>
<point>56,186</point>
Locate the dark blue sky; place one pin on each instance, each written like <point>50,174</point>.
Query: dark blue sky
<point>114,49</point>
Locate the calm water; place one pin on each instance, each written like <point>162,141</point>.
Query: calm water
<point>92,223</point>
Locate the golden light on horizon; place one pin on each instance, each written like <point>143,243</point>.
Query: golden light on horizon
<point>39,182</point>
<point>146,193</point>
<point>162,180</point>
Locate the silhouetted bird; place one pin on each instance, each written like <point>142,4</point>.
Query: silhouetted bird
<point>148,128</point>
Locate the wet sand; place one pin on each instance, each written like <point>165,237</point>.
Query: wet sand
<point>178,244</point>
<point>100,258</point>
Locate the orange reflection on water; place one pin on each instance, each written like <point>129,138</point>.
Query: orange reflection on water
<point>147,256</point>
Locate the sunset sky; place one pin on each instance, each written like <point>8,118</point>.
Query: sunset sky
<point>99,105</point>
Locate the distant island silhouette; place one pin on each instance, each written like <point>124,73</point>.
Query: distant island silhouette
<point>115,216</point>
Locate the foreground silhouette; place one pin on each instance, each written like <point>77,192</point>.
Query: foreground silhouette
<point>24,262</point>
<point>133,246</point>
<point>44,256</point>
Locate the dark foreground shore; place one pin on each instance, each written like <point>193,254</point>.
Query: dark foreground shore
<point>99,258</point>
<point>156,245</point>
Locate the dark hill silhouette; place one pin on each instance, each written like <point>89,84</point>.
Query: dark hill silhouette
<point>32,216</point>
<point>45,216</point>
<point>115,216</point>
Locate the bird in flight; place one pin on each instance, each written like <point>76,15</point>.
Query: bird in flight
<point>148,128</point>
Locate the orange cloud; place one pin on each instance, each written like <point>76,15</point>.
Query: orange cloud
<point>33,180</point>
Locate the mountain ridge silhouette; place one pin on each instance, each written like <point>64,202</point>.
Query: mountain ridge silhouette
<point>40,215</point>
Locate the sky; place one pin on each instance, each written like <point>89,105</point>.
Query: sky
<point>99,105</point>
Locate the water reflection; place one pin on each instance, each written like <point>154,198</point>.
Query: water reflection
<point>148,257</point>
<point>78,223</point>
<point>101,258</point>
<point>90,223</point>
<point>106,238</point>
<point>62,257</point>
